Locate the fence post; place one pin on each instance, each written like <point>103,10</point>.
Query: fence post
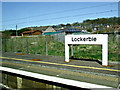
<point>0,45</point>
<point>46,48</point>
<point>27,44</point>
<point>57,37</point>
<point>6,79</point>
<point>72,50</point>
<point>12,45</point>
<point>5,45</point>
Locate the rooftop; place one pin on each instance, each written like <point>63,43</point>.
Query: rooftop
<point>31,31</point>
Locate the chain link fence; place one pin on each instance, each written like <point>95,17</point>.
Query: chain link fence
<point>44,45</point>
<point>54,45</point>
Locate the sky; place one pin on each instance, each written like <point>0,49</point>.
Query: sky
<point>27,14</point>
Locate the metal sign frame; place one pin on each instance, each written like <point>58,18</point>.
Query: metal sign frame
<point>98,39</point>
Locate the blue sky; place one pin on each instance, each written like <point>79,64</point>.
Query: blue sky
<point>26,14</point>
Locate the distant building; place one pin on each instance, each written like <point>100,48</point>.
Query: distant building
<point>72,30</point>
<point>108,26</point>
<point>32,32</point>
<point>116,26</point>
<point>49,30</point>
<point>96,27</point>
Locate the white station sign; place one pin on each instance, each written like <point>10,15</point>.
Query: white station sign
<point>100,39</point>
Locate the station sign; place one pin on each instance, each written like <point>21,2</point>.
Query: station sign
<point>97,39</point>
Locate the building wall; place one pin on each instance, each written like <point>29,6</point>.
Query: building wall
<point>25,34</point>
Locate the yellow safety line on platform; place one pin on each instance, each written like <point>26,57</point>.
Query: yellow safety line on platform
<point>85,74</point>
<point>63,64</point>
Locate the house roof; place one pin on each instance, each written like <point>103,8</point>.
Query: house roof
<point>60,31</point>
<point>73,30</point>
<point>32,31</point>
<point>96,26</point>
<point>116,26</point>
<point>49,29</point>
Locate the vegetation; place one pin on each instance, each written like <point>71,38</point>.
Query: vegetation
<point>110,21</point>
<point>8,33</point>
<point>37,45</point>
<point>86,24</point>
<point>89,30</point>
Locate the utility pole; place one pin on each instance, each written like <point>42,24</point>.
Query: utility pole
<point>16,31</point>
<point>119,10</point>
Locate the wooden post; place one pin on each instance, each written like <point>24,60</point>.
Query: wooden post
<point>12,45</point>
<point>27,44</point>
<point>19,82</point>
<point>72,50</point>
<point>46,48</point>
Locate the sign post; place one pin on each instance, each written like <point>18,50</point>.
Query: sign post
<point>99,39</point>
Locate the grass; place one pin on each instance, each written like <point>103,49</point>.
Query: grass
<point>88,51</point>
<point>37,45</point>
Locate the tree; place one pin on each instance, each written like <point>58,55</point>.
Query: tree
<point>6,34</point>
<point>89,30</point>
<point>85,21</point>
<point>76,24</point>
<point>54,26</point>
<point>62,25</point>
<point>22,30</point>
<point>68,24</point>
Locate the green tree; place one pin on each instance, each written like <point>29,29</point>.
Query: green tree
<point>6,34</point>
<point>62,25</point>
<point>76,24</point>
<point>68,24</point>
<point>22,30</point>
<point>89,30</point>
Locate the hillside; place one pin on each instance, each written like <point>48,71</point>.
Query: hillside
<point>110,21</point>
<point>86,24</point>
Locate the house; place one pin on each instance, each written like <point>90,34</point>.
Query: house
<point>72,30</point>
<point>46,30</point>
<point>32,32</point>
<point>49,29</point>
<point>96,28</point>
<point>116,26</point>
